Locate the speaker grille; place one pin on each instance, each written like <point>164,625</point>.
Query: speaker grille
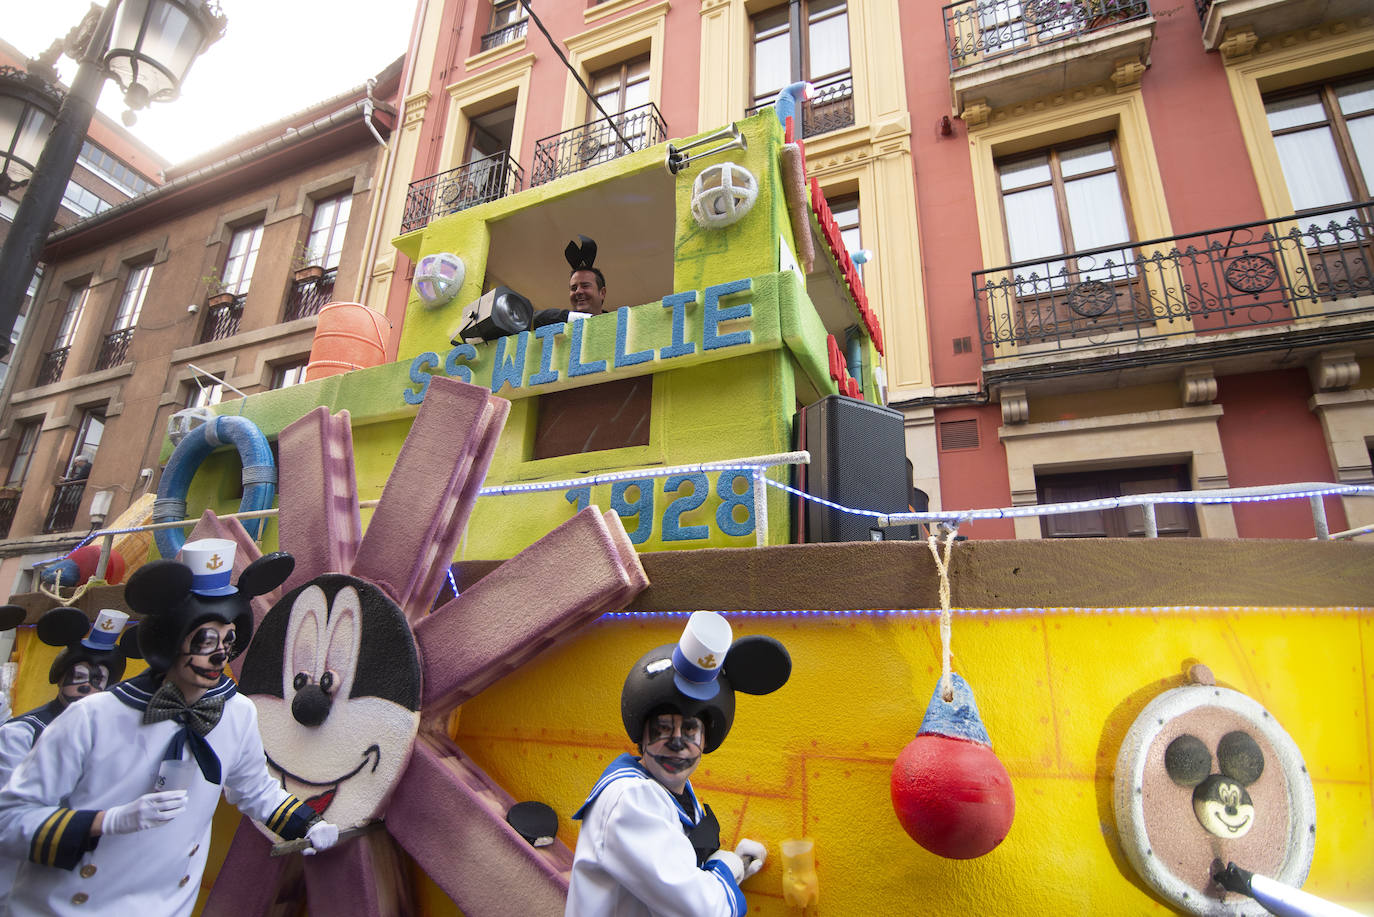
<point>858,460</point>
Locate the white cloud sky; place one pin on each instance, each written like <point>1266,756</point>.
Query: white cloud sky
<point>277,57</point>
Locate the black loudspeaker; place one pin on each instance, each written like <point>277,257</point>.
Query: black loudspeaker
<point>858,460</point>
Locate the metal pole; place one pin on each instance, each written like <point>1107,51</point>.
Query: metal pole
<point>38,209</point>
<point>1319,518</point>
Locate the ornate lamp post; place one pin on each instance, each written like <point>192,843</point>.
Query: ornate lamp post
<point>147,46</point>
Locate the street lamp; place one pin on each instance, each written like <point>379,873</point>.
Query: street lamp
<point>28,105</point>
<point>147,46</point>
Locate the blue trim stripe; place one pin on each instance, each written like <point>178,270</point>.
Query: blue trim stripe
<point>726,878</point>
<point>691,671</point>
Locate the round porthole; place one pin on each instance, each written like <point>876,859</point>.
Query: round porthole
<point>1206,773</point>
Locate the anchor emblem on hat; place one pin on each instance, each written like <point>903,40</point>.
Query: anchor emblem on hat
<point>215,562</point>
<point>708,661</point>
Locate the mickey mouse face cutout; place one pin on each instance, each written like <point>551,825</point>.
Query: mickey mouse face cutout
<point>1206,773</point>
<point>335,676</point>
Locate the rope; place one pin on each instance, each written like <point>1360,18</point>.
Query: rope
<point>942,566</point>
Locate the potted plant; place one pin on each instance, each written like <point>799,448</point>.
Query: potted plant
<point>217,291</point>
<point>307,265</point>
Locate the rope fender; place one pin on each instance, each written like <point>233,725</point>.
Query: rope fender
<point>259,475</point>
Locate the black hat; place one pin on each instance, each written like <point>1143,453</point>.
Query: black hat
<point>667,679</point>
<point>581,257</point>
<point>162,592</point>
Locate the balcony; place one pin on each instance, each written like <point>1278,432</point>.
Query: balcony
<point>596,142</point>
<point>1249,277</point>
<point>830,109</point>
<point>114,350</point>
<point>476,182</point>
<point>1247,20</point>
<point>54,361</point>
<point>504,35</point>
<point>9,502</point>
<point>1007,51</point>
<point>222,320</point>
<point>65,502</point>
<point>307,296</point>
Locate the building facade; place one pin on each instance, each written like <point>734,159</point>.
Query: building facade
<point>1075,302</point>
<point>198,291</point>
<point>1159,210</point>
<point>112,167</point>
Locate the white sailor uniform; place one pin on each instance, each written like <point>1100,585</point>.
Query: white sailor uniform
<point>100,754</point>
<point>16,738</point>
<point>634,857</point>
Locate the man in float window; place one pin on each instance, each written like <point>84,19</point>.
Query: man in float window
<point>647,847</point>
<point>586,286</point>
<point>153,752</point>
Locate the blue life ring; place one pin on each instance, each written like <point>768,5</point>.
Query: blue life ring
<point>259,475</point>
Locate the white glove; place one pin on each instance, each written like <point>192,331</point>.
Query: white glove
<point>752,853</point>
<point>147,811</point>
<point>322,835</point>
<point>745,861</point>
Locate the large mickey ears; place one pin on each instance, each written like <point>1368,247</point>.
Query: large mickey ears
<point>265,574</point>
<point>63,626</point>
<point>757,665</point>
<point>157,586</point>
<point>581,257</point>
<point>128,642</point>
<point>11,616</point>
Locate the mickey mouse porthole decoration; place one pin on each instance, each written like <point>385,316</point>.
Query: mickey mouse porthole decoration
<point>1206,776</point>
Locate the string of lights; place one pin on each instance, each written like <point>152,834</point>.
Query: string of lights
<point>1156,610</point>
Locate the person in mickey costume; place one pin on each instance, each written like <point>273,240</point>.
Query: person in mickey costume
<point>647,846</point>
<point>111,810</point>
<point>92,659</point>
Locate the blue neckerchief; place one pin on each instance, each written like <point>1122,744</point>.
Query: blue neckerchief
<point>137,691</point>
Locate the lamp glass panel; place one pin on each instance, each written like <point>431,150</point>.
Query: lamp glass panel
<point>154,43</point>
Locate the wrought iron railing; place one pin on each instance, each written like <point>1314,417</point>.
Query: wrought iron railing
<point>9,502</point>
<point>830,109</point>
<point>1202,7</point>
<point>66,500</point>
<point>472,183</point>
<point>222,321</point>
<point>54,361</point>
<point>114,350</point>
<point>596,142</point>
<point>504,35</point>
<point>977,30</point>
<point>307,296</point>
<point>1245,276</point>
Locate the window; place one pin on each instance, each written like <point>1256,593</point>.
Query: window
<point>68,494</point>
<point>1171,519</point>
<point>112,170</point>
<point>243,256</point>
<point>324,245</point>
<point>1061,201</point>
<point>824,53</point>
<point>845,210</point>
<point>83,201</point>
<point>620,88</point>
<point>1325,139</point>
<point>135,291</point>
<point>610,415</point>
<point>23,454</point>
<point>87,444</point>
<point>287,374</point>
<point>203,396</point>
<point>71,318</point>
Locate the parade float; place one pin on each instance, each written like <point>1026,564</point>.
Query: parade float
<point>1127,692</point>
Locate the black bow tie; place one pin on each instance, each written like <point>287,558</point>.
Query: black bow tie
<point>168,703</point>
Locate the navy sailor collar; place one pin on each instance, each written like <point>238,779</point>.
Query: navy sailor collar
<point>627,766</point>
<point>137,691</point>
